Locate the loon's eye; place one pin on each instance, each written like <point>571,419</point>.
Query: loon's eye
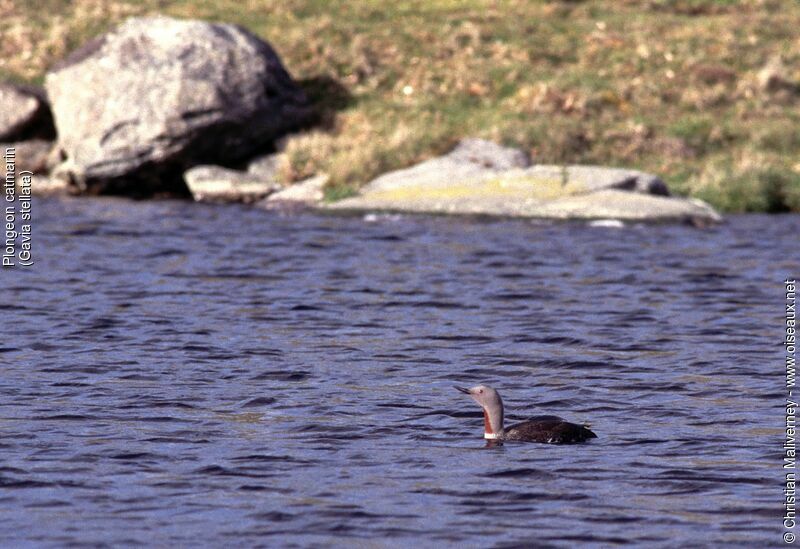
<point>480,391</point>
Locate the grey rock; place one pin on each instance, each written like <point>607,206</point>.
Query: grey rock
<point>24,113</point>
<point>599,177</point>
<point>31,155</point>
<point>138,106</point>
<point>556,192</point>
<point>218,184</point>
<point>595,178</point>
<point>472,158</point>
<point>630,206</point>
<point>308,191</point>
<point>488,154</point>
<point>266,167</point>
<point>46,185</point>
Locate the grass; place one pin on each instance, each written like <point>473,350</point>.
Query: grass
<point>673,87</point>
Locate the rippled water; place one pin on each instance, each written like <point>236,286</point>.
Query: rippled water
<point>175,373</point>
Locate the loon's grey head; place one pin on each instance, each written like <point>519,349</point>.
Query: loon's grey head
<point>492,405</point>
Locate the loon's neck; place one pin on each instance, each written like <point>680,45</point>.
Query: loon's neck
<point>492,424</point>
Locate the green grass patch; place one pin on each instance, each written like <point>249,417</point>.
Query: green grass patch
<point>339,192</point>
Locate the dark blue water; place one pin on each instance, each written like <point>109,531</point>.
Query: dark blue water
<point>181,374</point>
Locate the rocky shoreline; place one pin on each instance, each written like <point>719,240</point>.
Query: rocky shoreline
<point>161,106</point>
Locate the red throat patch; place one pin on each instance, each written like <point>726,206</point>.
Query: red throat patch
<point>487,425</point>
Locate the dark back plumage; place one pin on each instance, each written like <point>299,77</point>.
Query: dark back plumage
<point>548,429</point>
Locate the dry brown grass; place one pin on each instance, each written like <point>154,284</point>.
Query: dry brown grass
<point>704,93</point>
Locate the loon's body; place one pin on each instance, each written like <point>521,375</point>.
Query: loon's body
<point>548,429</point>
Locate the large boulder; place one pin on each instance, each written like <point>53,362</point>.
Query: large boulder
<point>24,114</point>
<point>138,106</point>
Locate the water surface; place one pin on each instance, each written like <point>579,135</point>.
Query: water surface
<point>181,374</point>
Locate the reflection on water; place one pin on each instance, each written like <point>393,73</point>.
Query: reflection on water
<point>185,373</point>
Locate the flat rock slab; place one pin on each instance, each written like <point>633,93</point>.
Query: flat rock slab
<point>541,191</point>
<point>544,201</point>
<point>595,178</point>
<point>530,197</point>
<point>623,205</point>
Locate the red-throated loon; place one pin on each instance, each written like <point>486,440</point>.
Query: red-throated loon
<point>549,429</point>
